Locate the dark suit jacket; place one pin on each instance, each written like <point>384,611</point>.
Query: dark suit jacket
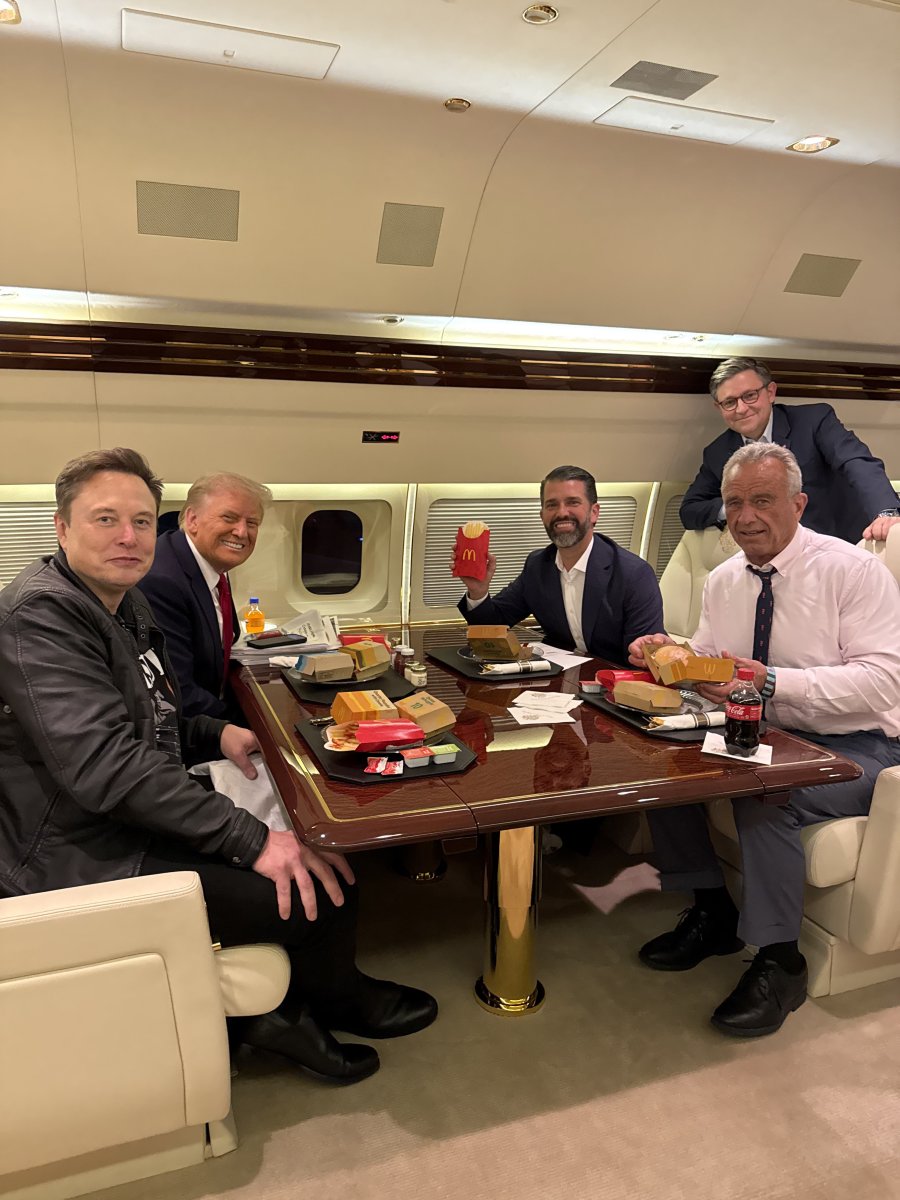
<point>846,484</point>
<point>185,612</point>
<point>621,601</point>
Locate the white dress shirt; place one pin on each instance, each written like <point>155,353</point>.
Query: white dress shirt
<point>572,583</point>
<point>211,576</point>
<point>834,644</point>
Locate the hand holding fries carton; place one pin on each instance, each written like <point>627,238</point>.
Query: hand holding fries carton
<point>470,554</point>
<point>680,665</point>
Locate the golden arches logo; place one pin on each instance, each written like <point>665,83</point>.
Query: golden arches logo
<point>468,555</point>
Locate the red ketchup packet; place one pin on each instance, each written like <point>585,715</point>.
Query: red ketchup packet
<point>470,554</point>
<point>393,767</point>
<point>376,766</point>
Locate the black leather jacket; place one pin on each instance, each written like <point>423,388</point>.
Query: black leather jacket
<point>83,788</point>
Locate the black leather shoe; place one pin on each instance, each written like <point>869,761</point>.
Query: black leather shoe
<point>307,1045</point>
<point>383,1009</point>
<point>697,935</point>
<point>762,1001</point>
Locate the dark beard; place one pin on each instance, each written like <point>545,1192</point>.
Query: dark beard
<point>563,541</point>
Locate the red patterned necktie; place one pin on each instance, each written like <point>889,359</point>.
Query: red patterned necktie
<point>227,610</point>
<point>765,611</point>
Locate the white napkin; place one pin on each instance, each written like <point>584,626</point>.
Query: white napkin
<point>714,743</point>
<point>258,796</point>
<point>689,720</point>
<point>557,701</point>
<point>562,658</point>
<point>517,668</point>
<point>540,716</point>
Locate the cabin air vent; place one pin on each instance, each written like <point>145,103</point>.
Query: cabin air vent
<point>656,79</point>
<point>822,275</point>
<point>180,210</point>
<point>409,235</point>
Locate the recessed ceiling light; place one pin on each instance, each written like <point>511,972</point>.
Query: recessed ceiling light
<point>540,14</point>
<point>813,144</point>
<point>9,12</point>
<point>457,104</point>
<point>392,319</point>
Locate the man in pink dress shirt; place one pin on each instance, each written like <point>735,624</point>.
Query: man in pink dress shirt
<point>817,620</point>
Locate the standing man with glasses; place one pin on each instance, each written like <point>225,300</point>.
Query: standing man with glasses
<point>850,496</point>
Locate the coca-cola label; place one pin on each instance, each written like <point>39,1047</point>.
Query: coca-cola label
<point>743,712</point>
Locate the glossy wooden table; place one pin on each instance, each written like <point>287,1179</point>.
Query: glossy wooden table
<point>523,777</point>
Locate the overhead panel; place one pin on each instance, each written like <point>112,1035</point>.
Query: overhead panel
<point>182,210</point>
<point>822,275</point>
<point>657,79</point>
<point>225,45</point>
<point>409,234</point>
<point>680,120</point>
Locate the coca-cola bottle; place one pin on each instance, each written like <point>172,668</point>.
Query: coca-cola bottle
<point>743,710</point>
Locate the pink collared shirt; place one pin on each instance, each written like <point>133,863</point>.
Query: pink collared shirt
<point>835,642</point>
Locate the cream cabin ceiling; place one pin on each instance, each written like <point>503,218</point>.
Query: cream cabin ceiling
<point>548,217</point>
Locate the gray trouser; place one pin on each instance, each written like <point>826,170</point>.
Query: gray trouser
<point>774,864</point>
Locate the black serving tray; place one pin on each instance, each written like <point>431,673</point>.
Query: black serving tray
<point>394,686</point>
<point>637,720</point>
<point>350,765</point>
<point>450,657</point>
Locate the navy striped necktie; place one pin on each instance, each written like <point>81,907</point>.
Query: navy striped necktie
<point>765,611</point>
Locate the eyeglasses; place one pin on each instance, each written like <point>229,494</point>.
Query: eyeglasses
<point>747,398</point>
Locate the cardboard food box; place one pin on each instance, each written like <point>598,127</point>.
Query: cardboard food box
<point>362,706</point>
<point>325,668</point>
<point>493,641</point>
<point>694,668</point>
<point>370,659</point>
<point>648,697</point>
<point>429,713</point>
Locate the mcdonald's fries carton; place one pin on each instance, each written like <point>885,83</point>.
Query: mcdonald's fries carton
<point>370,659</point>
<point>429,713</point>
<point>363,706</point>
<point>470,554</point>
<point>326,668</point>
<point>493,641</point>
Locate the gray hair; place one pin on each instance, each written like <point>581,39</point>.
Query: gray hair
<point>734,366</point>
<point>758,452</point>
<point>222,481</point>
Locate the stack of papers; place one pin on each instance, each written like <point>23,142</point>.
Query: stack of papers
<point>321,634</point>
<point>544,708</point>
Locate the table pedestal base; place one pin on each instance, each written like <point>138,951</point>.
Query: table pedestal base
<point>512,889</point>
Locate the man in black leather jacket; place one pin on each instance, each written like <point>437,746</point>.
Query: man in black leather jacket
<point>93,749</point>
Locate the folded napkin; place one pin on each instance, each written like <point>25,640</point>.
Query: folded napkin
<point>689,721</point>
<point>257,796</point>
<point>518,668</point>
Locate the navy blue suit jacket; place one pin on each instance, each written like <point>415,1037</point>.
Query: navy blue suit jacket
<point>847,486</point>
<point>184,610</point>
<point>621,602</point>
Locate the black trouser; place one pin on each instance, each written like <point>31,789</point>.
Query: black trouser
<point>243,910</point>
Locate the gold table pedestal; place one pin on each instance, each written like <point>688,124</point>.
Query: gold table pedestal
<point>512,889</point>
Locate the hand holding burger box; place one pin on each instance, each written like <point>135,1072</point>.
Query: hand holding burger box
<point>671,664</point>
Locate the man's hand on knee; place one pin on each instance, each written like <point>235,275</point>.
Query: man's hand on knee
<point>284,860</point>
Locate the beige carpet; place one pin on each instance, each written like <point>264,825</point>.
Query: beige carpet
<point>617,1088</point>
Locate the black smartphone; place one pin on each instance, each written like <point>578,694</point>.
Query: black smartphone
<point>282,639</point>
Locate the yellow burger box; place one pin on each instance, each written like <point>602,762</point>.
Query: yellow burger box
<point>493,641</point>
<point>648,697</point>
<point>371,659</point>
<point>429,713</point>
<point>362,706</point>
<point>680,665</point>
<point>326,668</point>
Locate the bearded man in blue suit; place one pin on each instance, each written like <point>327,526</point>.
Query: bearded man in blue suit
<point>586,592</point>
<point>850,496</point>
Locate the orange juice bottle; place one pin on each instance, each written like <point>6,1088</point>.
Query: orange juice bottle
<point>255,620</point>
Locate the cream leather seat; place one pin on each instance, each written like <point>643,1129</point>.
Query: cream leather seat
<point>851,923</point>
<point>685,574</point>
<point>115,1061</point>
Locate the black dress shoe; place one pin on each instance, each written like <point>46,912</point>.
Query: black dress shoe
<point>303,1041</point>
<point>382,1009</point>
<point>697,935</point>
<point>762,1001</point>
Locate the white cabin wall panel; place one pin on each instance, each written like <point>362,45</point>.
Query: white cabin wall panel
<point>601,226</point>
<point>46,418</point>
<point>40,236</point>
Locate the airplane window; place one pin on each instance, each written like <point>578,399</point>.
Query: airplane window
<point>331,552</point>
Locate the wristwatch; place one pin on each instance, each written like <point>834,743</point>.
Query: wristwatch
<point>890,512</point>
<point>768,688</point>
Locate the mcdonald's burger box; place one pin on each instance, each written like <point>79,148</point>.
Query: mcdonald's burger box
<point>326,668</point>
<point>429,713</point>
<point>648,697</point>
<point>371,659</point>
<point>493,641</point>
<point>680,665</point>
<point>363,706</point>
